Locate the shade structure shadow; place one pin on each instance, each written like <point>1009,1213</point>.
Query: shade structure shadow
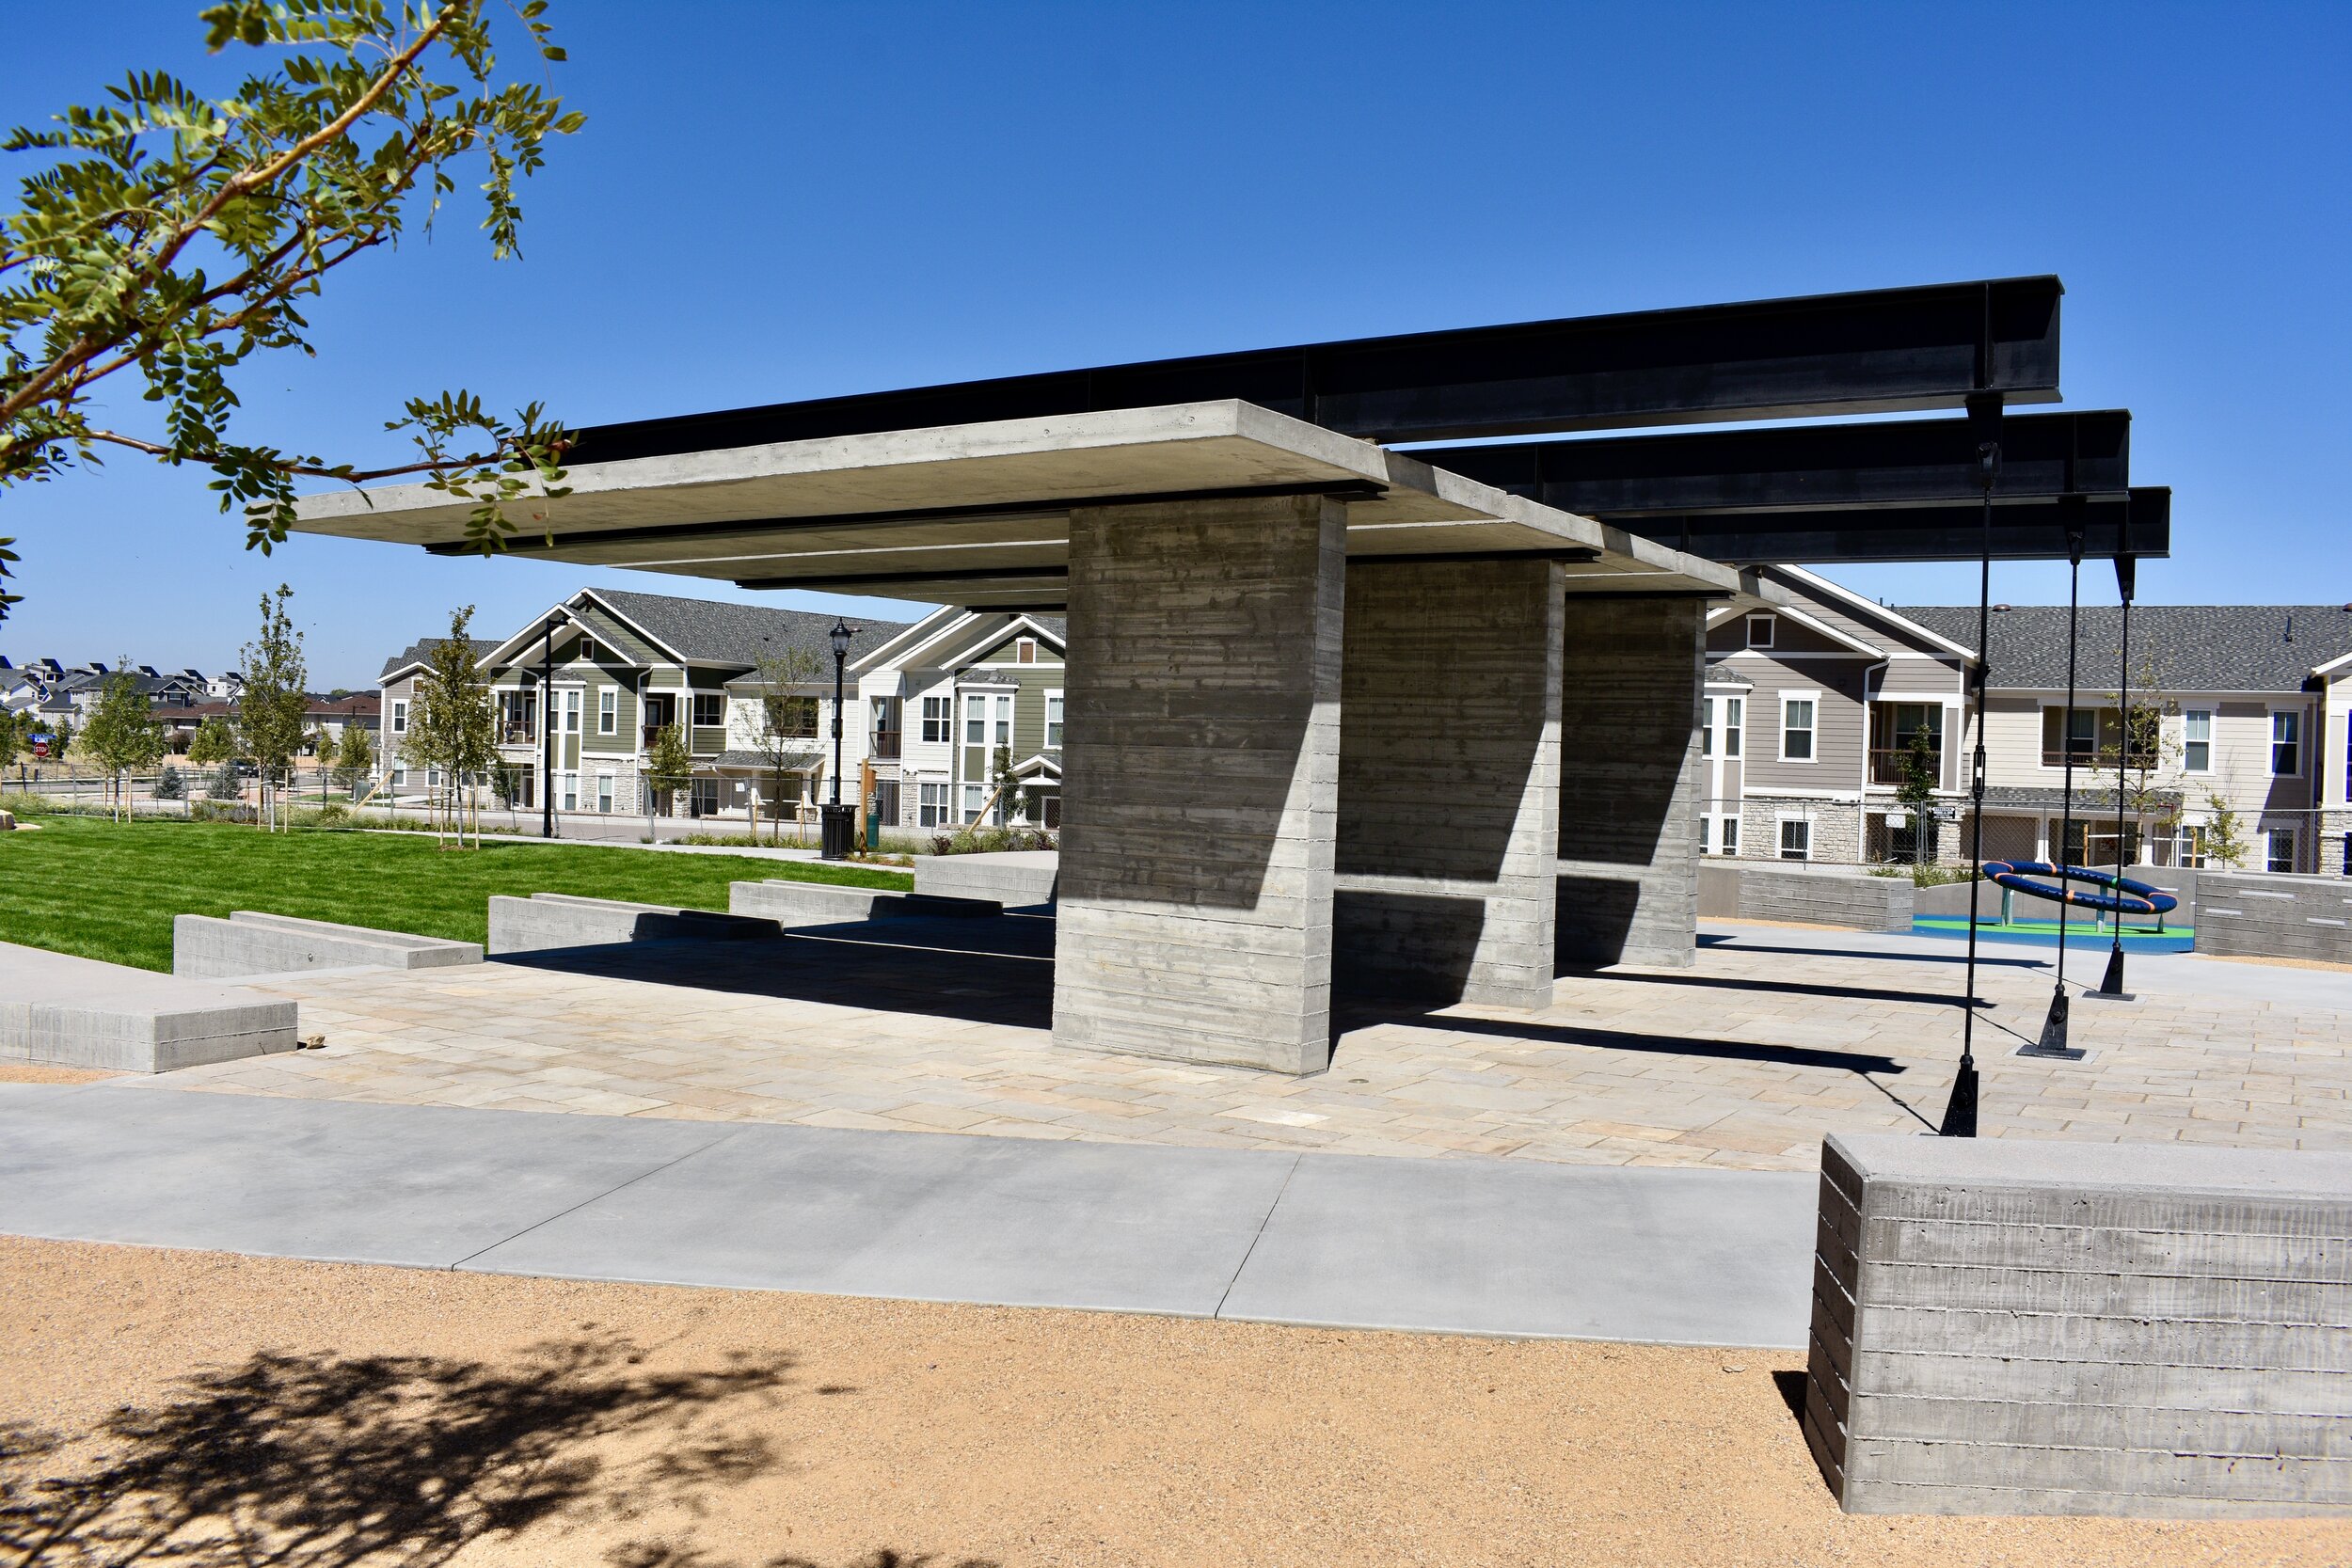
<point>1404,946</point>
<point>1865,1062</point>
<point>1983,960</point>
<point>1791,988</point>
<point>983,970</point>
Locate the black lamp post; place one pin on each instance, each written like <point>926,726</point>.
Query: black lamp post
<point>839,821</point>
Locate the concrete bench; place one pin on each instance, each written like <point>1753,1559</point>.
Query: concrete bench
<point>791,903</point>
<point>1811,895</point>
<point>249,942</point>
<point>2015,1327</point>
<point>548,921</point>
<point>1013,878</point>
<point>2259,915</point>
<point>79,1012</point>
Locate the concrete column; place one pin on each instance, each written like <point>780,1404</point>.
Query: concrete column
<point>1449,779</point>
<point>1630,780</point>
<point>1200,781</point>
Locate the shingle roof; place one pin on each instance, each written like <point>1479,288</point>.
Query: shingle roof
<point>721,632</point>
<point>2190,647</point>
<point>416,653</point>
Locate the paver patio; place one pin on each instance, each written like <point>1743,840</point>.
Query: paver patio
<point>1777,1037</point>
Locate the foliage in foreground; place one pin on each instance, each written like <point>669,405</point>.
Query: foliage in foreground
<point>82,886</point>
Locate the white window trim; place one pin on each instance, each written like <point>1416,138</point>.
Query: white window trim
<point>1801,695</point>
<point>1054,695</point>
<point>574,719</point>
<point>608,710</point>
<point>400,716</point>
<point>604,791</point>
<point>1780,825</point>
<point>2270,743</point>
<point>1770,624</point>
<point>2187,741</point>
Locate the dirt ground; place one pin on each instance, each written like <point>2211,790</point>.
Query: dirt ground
<point>212,1410</point>
<point>41,1073</point>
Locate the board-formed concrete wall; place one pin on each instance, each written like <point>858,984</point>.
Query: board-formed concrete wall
<point>2264,915</point>
<point>79,1012</point>
<point>249,942</point>
<point>1811,895</point>
<point>551,921</point>
<point>1630,781</point>
<point>1013,878</point>
<point>1448,791</point>
<point>2012,1326</point>
<point>791,904</point>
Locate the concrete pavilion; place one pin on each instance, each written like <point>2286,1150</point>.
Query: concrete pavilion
<point>1317,688</point>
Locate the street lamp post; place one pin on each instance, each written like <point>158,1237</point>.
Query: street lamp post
<point>839,821</point>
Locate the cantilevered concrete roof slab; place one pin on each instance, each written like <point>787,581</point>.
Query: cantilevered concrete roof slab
<point>980,514</point>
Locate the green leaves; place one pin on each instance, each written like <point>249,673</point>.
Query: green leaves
<point>172,237</point>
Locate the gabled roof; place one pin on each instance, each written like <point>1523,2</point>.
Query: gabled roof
<point>1864,607</point>
<point>417,652</point>
<point>715,631</point>
<point>951,636</point>
<point>2189,647</point>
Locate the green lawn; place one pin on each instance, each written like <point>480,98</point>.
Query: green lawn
<point>108,891</point>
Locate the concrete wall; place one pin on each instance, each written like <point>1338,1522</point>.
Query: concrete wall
<point>1952,898</point>
<point>1200,781</point>
<point>794,904</point>
<point>1013,878</point>
<point>79,1012</point>
<point>2039,1327</point>
<point>550,921</point>
<point>248,943</point>
<point>1448,780</point>
<point>2263,915</point>
<point>1630,781</point>
<point>1814,895</point>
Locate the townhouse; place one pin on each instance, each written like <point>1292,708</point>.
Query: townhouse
<point>948,697</point>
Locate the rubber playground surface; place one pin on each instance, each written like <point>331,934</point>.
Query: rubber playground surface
<point>2083,934</point>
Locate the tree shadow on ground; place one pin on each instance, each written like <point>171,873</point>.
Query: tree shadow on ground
<point>381,1462</point>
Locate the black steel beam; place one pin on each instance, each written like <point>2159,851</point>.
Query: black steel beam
<point>2139,523</point>
<point>1877,351</point>
<point>1903,463</point>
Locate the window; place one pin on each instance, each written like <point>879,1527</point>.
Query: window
<point>571,789</point>
<point>1004,720</point>
<point>932,809</point>
<point>2280,856</point>
<point>795,716</point>
<point>2196,741</point>
<point>2193,846</point>
<point>1796,840</point>
<point>1760,630</point>
<point>2074,731</point>
<point>1053,719</point>
<point>2347,854</point>
<point>1735,710</point>
<point>938,718</point>
<point>571,712</point>
<point>710,708</point>
<point>2286,752</point>
<point>974,796</point>
<point>399,776</point>
<point>400,717</point>
<point>1024,651</point>
<point>587,650</point>
<point>1796,730</point>
<point>604,793</point>
<point>976,721</point>
<point>1706,728</point>
<point>608,711</point>
<point>1727,831</point>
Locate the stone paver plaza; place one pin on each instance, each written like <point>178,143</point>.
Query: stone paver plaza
<point>1776,1038</point>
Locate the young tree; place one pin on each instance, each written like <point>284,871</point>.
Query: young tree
<point>169,786</point>
<point>214,742</point>
<point>669,762</point>
<point>122,737</point>
<point>2137,758</point>
<point>13,732</point>
<point>224,784</point>
<point>452,724</point>
<point>60,739</point>
<point>354,758</point>
<point>270,711</point>
<point>1011,799</point>
<point>1916,793</point>
<point>174,236</point>
<point>2225,837</point>
<point>784,727</point>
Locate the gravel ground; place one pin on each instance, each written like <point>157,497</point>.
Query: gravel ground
<point>326,1416</point>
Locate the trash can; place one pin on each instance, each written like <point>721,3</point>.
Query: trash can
<point>873,830</point>
<point>839,832</point>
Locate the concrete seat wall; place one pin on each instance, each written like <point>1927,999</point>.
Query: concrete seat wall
<point>250,942</point>
<point>2266,916</point>
<point>552,921</point>
<point>790,903</point>
<point>1013,878</point>
<point>71,1011</point>
<point>2014,1326</point>
<point>1816,895</point>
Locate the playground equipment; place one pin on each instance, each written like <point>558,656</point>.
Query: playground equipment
<point>2123,895</point>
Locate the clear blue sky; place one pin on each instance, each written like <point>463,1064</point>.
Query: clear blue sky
<point>773,201</point>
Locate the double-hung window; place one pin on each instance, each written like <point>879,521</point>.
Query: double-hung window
<point>571,789</point>
<point>1796,839</point>
<point>1004,721</point>
<point>976,721</point>
<point>2282,851</point>
<point>608,711</point>
<point>938,718</point>
<point>2197,740</point>
<point>2286,751</point>
<point>604,793</point>
<point>400,717</point>
<point>1053,719</point>
<point>974,796</point>
<point>1796,729</point>
<point>932,809</point>
<point>1727,831</point>
<point>571,712</point>
<point>1735,720</point>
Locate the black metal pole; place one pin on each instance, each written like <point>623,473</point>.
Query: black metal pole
<point>547,732</point>
<point>2111,984</point>
<point>840,662</point>
<point>2053,1040</point>
<point>1960,1112</point>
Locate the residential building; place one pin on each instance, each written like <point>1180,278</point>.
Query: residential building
<point>948,697</point>
<point>622,666</point>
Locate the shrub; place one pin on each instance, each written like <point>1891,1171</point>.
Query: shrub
<point>169,786</point>
<point>225,785</point>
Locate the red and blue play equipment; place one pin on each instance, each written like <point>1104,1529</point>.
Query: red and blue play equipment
<point>2122,895</point>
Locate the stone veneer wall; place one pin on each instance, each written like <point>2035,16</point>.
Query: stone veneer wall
<point>1836,827</point>
<point>2003,1326</point>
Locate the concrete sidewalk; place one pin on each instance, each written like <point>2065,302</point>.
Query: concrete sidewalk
<point>1664,1256</point>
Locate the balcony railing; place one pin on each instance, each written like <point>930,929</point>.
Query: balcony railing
<point>2087,757</point>
<point>1891,765</point>
<point>886,744</point>
<point>517,735</point>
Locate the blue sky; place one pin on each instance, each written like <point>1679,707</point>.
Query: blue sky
<point>773,201</point>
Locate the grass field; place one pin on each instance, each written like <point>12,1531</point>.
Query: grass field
<point>108,891</point>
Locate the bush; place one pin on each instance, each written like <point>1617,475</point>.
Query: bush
<point>1922,876</point>
<point>991,841</point>
<point>216,810</point>
<point>225,785</point>
<point>169,786</point>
